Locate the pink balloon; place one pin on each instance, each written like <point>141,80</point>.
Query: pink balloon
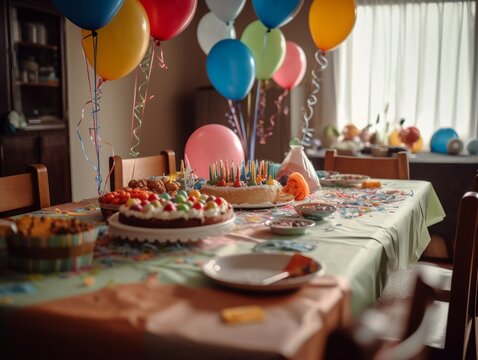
<point>212,143</point>
<point>292,70</point>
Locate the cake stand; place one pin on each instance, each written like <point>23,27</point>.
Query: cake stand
<point>166,235</point>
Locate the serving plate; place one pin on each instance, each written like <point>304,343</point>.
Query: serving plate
<point>247,271</point>
<point>170,235</point>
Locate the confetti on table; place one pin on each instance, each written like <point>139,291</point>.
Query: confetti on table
<point>284,245</point>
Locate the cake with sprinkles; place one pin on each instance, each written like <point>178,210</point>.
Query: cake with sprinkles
<point>248,183</point>
<point>184,210</point>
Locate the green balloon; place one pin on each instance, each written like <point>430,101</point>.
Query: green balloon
<point>268,48</point>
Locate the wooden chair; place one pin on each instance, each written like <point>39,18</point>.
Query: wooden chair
<point>24,192</point>
<point>367,338</point>
<point>376,167</point>
<point>125,170</point>
<point>457,301</point>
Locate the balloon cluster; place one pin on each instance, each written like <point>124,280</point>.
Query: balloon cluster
<point>116,36</point>
<point>232,68</point>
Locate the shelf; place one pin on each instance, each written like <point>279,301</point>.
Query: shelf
<point>36,45</point>
<point>39,84</point>
<point>45,126</point>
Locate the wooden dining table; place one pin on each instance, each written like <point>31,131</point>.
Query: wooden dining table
<point>141,300</point>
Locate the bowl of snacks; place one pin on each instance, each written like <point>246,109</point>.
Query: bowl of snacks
<point>315,210</point>
<point>290,226</point>
<point>111,202</point>
<point>42,244</point>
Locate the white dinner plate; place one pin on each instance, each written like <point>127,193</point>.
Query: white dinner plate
<point>172,235</point>
<point>247,271</point>
<point>266,205</point>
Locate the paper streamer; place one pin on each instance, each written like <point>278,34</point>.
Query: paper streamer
<point>320,65</point>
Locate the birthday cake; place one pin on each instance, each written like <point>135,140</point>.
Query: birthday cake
<point>250,183</point>
<point>184,210</point>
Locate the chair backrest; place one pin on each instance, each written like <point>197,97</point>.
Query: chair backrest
<point>125,170</point>
<point>462,306</point>
<point>475,185</point>
<point>376,167</point>
<point>365,340</point>
<point>25,192</point>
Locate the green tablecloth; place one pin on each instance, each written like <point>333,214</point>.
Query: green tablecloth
<point>374,232</point>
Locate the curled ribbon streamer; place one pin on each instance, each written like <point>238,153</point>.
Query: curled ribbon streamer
<point>254,123</point>
<point>243,127</point>
<point>320,65</point>
<point>262,132</point>
<point>236,125</point>
<point>272,120</point>
<point>95,108</point>
<point>146,66</point>
<point>160,56</point>
<point>141,91</point>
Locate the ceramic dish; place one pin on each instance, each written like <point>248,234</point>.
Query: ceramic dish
<point>315,210</point>
<point>324,174</point>
<point>247,271</point>
<point>290,226</point>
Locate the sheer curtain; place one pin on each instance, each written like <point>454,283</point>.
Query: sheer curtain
<point>409,59</point>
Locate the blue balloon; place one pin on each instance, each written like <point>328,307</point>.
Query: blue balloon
<point>89,14</point>
<point>440,139</point>
<point>231,69</point>
<point>276,13</point>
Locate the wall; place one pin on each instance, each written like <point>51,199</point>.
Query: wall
<point>169,117</point>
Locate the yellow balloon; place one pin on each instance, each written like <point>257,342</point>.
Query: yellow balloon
<point>394,138</point>
<point>331,21</point>
<point>122,43</point>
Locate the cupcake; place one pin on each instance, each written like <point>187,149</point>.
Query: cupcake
<point>47,244</point>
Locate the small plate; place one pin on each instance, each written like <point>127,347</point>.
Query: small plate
<point>290,226</point>
<point>247,271</point>
<point>315,210</point>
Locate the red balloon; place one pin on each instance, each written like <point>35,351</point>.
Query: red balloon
<point>168,18</point>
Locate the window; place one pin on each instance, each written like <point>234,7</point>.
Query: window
<point>412,60</point>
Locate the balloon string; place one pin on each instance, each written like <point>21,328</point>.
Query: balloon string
<point>241,117</point>
<point>141,91</point>
<point>308,112</point>
<point>261,125</point>
<point>272,120</point>
<point>237,127</point>
<point>160,56</point>
<point>254,123</point>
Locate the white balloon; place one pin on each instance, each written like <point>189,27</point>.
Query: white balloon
<point>211,30</point>
<point>226,10</point>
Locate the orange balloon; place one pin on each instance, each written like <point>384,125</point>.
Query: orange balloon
<point>122,43</point>
<point>331,21</point>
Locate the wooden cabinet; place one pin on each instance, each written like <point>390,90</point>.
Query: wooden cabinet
<point>33,84</point>
<point>31,147</point>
